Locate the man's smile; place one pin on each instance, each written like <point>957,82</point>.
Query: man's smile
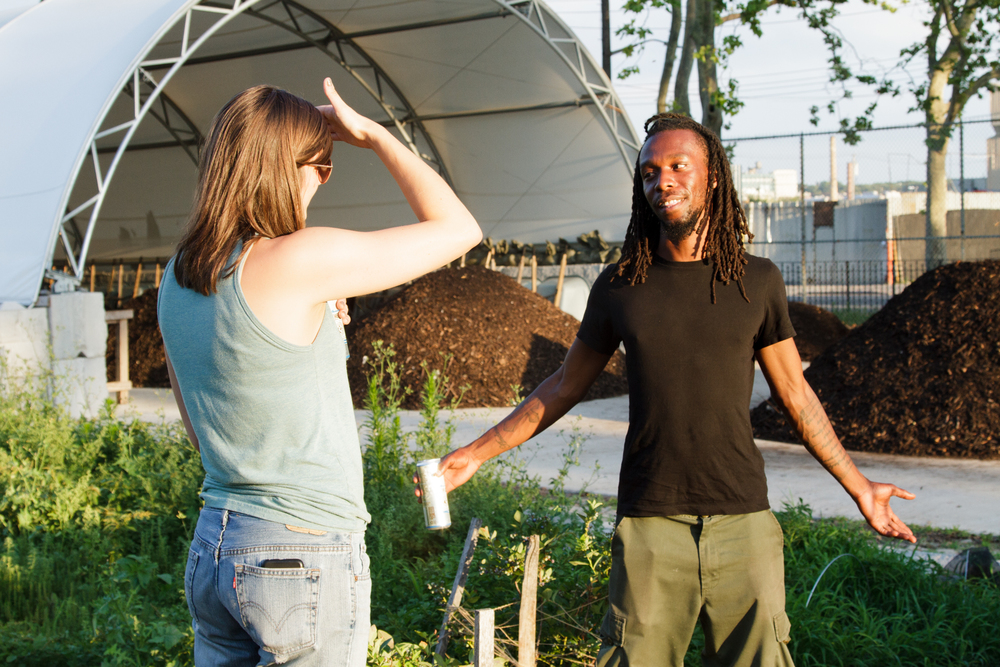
<point>668,202</point>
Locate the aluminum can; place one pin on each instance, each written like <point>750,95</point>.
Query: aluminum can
<point>437,516</point>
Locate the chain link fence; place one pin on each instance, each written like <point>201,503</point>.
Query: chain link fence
<point>854,245</point>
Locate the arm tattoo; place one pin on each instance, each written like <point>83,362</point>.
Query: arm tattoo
<point>816,431</point>
<point>509,427</point>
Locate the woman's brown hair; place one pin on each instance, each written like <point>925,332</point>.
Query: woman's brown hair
<point>248,180</point>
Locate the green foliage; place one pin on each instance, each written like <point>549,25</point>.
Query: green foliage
<point>85,503</point>
<point>852,316</point>
<point>884,607</point>
<point>95,525</point>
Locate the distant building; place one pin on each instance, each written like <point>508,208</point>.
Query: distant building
<point>993,145</point>
<point>779,184</point>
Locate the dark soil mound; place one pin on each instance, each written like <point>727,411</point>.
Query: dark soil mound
<point>498,333</point>
<point>147,363</point>
<point>815,329</point>
<point>921,377</point>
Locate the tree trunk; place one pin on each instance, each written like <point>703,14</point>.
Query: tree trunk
<point>671,55</point>
<point>937,194</point>
<point>708,82</point>
<point>681,101</point>
<point>938,126</point>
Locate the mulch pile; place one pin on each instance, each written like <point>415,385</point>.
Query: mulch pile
<point>921,377</point>
<point>497,333</point>
<point>815,329</point>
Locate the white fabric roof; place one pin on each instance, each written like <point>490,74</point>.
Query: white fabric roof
<point>498,95</point>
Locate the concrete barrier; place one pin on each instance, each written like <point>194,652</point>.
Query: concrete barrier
<point>65,339</point>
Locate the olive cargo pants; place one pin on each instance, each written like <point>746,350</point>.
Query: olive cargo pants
<point>669,572</point>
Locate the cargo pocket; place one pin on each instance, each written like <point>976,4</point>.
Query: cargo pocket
<point>278,607</point>
<point>189,571</point>
<point>782,627</point>
<point>612,631</point>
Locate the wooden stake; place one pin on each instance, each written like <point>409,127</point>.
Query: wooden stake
<point>520,268</point>
<point>111,280</point>
<point>121,281</point>
<point>122,385</point>
<point>483,652</point>
<point>534,274</point>
<point>455,600</point>
<point>158,275</point>
<point>529,604</point>
<point>93,276</point>
<point>463,261</point>
<point>138,279</point>
<point>559,283</point>
<point>489,259</point>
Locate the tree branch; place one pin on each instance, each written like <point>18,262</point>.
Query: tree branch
<point>740,15</point>
<point>950,19</point>
<point>980,82</point>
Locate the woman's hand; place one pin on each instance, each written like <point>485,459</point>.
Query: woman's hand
<point>341,305</point>
<point>345,123</point>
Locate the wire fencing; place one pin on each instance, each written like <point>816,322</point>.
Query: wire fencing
<point>856,234</point>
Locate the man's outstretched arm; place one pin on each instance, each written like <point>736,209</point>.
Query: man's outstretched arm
<point>551,400</point>
<point>783,369</point>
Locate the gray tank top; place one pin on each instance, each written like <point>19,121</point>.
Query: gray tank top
<point>274,420</point>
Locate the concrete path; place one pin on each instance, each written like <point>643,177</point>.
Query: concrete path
<point>951,493</point>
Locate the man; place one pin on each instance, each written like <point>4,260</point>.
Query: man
<point>695,537</point>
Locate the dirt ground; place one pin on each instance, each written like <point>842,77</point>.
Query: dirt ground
<point>920,377</point>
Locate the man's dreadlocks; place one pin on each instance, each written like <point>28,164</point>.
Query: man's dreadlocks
<point>727,223</point>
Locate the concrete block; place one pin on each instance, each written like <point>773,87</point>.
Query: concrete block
<point>24,341</point>
<point>21,359</point>
<point>76,320</point>
<point>80,385</point>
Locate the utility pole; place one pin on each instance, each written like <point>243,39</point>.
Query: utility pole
<point>834,195</point>
<point>606,36</point>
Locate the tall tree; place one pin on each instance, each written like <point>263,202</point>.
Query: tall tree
<point>699,18</point>
<point>962,52</point>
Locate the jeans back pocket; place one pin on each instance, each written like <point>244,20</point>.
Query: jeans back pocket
<point>278,607</point>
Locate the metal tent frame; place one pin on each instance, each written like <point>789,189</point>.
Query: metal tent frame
<point>146,79</point>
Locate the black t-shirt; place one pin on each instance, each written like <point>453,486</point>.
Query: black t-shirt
<point>689,448</point>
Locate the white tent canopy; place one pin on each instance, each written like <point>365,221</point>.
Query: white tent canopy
<point>104,111</point>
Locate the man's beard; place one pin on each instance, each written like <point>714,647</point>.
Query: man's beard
<point>675,232</point>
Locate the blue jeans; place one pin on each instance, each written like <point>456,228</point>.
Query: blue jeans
<point>244,614</point>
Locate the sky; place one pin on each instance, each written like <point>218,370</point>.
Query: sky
<point>785,72</point>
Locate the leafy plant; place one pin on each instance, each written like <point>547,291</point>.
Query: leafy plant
<point>96,515</point>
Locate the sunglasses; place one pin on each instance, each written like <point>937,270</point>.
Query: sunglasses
<point>322,170</point>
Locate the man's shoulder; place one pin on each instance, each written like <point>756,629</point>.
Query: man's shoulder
<point>759,263</point>
<point>760,266</point>
<point>606,277</point>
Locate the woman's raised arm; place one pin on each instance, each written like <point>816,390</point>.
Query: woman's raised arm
<point>327,263</point>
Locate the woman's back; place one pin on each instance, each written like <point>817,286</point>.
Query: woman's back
<point>274,419</point>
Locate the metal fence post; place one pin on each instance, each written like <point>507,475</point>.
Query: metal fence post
<point>802,207</point>
<point>847,281</point>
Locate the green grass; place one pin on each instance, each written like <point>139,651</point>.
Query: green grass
<point>96,514</point>
<point>852,317</point>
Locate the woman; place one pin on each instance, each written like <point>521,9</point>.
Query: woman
<point>277,571</point>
